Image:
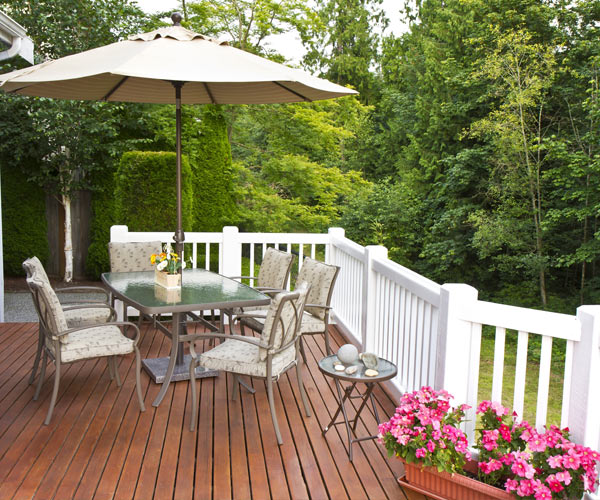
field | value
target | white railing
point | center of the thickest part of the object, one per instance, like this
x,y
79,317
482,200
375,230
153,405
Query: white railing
x,y
433,333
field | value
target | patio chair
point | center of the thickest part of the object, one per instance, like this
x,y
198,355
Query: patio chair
x,y
67,345
131,256
272,276
315,321
267,357
77,313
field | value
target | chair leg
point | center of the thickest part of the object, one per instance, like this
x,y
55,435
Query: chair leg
x,y
38,354
302,350
242,330
194,396
54,392
327,345
272,406
116,370
301,386
236,386
42,377
111,371
138,382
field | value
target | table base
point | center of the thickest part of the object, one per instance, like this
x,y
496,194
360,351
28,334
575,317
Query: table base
x,y
157,369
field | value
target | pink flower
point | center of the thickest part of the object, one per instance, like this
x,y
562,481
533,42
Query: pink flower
x,y
421,452
564,477
554,461
554,484
571,460
525,488
511,484
542,493
523,469
536,442
484,406
430,446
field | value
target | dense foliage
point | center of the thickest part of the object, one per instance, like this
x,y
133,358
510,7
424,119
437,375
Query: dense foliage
x,y
145,191
471,153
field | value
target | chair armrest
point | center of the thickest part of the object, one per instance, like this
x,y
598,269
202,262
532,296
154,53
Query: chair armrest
x,y
100,325
319,306
93,305
89,289
255,314
198,336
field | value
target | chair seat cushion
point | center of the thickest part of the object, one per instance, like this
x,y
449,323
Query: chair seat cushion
x,y
95,342
241,357
310,324
85,316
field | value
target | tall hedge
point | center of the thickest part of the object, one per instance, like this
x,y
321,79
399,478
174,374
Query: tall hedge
x,y
103,217
24,226
145,192
214,204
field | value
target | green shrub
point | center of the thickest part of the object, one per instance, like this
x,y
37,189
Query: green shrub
x,y
145,192
24,226
103,217
214,204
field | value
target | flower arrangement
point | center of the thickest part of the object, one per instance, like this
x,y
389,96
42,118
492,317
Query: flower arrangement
x,y
426,429
529,464
533,465
167,261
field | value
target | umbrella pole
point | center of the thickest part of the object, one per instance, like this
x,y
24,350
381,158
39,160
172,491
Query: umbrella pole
x,y
179,236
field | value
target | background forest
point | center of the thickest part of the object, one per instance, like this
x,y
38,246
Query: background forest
x,y
472,151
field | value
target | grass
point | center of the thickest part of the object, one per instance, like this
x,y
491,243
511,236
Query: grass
x,y
486,366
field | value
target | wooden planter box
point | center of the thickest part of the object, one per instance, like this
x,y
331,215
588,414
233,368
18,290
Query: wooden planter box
x,y
444,486
167,280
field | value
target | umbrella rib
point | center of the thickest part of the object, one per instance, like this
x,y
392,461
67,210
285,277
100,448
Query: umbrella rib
x,y
212,99
293,92
115,88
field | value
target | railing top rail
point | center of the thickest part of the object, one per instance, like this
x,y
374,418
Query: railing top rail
x,y
419,285
550,324
348,246
294,238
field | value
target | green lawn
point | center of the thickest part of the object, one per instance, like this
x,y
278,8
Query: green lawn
x,y
556,376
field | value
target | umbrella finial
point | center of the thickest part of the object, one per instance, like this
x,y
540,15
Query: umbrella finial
x,y
176,17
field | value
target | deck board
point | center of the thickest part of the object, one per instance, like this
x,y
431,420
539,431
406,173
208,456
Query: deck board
x,y
98,444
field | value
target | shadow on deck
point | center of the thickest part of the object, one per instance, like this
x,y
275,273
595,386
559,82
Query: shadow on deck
x,y
98,444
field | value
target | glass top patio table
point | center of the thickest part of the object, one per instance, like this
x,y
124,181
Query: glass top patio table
x,y
200,290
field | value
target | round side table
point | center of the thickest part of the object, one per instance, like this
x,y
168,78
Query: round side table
x,y
386,369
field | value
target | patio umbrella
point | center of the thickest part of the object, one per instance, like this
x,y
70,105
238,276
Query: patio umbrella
x,y
170,65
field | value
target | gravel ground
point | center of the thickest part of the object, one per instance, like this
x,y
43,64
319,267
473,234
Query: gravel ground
x,y
18,305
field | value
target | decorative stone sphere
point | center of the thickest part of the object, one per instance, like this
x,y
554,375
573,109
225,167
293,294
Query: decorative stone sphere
x,y
347,354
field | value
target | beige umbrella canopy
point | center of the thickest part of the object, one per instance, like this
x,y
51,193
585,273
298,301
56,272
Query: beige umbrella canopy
x,y
170,66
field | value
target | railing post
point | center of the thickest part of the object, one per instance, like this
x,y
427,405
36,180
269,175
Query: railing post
x,y
458,349
230,258
119,234
370,298
337,232
584,407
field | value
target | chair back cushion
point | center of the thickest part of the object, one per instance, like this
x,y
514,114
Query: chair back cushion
x,y
48,306
132,256
321,278
283,318
274,269
32,265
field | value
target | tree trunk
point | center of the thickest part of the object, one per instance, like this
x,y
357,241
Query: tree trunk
x,y
66,202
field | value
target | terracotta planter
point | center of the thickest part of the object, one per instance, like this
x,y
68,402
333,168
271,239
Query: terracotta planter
x,y
444,486
167,280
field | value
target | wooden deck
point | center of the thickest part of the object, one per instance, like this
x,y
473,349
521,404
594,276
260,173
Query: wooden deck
x,y
99,445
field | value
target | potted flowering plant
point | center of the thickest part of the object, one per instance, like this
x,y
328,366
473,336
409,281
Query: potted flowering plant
x,y
425,433
532,465
167,265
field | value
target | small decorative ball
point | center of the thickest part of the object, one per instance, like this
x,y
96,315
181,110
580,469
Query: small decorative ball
x,y
347,354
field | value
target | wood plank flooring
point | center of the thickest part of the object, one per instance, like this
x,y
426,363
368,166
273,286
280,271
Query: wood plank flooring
x,y
99,446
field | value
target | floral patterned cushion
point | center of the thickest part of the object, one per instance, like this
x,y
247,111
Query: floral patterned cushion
x,y
321,278
310,324
132,256
274,269
281,332
84,316
95,342
49,306
241,357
